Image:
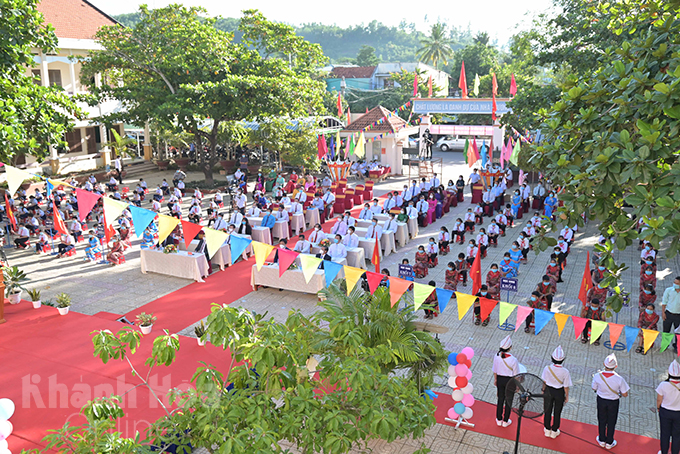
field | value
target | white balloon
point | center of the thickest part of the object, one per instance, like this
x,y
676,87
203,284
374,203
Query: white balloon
x,y
5,451
452,371
467,414
468,389
5,429
457,395
452,382
7,408
3,445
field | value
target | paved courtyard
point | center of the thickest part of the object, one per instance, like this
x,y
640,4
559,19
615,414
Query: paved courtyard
x,y
121,289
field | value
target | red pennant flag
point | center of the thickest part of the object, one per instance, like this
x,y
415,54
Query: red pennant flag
x,y
415,86
475,149
86,201
586,281
376,255
349,116
397,288
321,145
429,87
513,85
286,258
579,324
494,85
486,306
58,221
476,274
10,213
462,82
109,231
189,231
366,109
373,280
614,332
339,106
677,340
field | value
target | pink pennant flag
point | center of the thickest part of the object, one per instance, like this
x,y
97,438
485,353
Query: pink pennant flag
x,y
522,314
286,258
86,201
475,149
579,325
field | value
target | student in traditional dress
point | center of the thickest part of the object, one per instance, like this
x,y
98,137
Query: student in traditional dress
x,y
451,277
493,282
462,267
648,319
430,305
420,268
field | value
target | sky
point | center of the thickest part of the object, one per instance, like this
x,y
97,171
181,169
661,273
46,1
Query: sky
x,y
500,18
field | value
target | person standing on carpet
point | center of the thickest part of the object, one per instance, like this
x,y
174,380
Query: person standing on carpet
x,y
505,366
668,404
556,393
610,387
202,248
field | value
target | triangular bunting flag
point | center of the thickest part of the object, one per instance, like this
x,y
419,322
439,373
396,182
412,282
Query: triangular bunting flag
x,y
397,289
648,337
331,270
420,293
561,320
465,302
541,318
286,258
677,341
486,307
352,276
522,314
514,157
309,265
597,327
166,224
614,333
86,201
631,335
214,239
15,177
476,273
360,150
373,280
49,187
504,311
579,324
262,251
58,221
113,209
666,339
109,231
189,231
238,244
141,219
443,297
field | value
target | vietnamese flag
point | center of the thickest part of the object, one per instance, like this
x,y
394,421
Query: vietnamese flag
x,y
375,259
586,282
109,231
462,82
513,85
58,221
10,213
494,85
339,106
476,274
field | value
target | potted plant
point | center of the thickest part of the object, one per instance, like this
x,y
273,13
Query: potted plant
x,y
63,303
34,294
145,322
200,331
13,277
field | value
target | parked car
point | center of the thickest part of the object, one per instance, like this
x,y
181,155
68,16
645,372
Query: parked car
x,y
447,143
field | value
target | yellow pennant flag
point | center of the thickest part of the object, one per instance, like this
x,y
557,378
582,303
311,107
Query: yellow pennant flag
x,y
112,209
597,327
360,149
261,251
464,302
338,142
420,294
309,265
649,337
15,177
561,320
214,239
352,276
57,183
505,309
166,224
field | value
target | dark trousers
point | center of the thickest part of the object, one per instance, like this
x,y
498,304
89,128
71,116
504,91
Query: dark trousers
x,y
553,401
63,248
529,319
585,336
464,274
607,414
504,405
21,242
670,429
672,321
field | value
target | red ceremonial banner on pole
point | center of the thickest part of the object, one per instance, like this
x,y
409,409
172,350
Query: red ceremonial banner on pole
x,y
586,281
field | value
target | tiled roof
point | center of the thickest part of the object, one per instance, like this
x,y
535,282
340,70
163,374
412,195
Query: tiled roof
x,y
76,19
352,72
390,124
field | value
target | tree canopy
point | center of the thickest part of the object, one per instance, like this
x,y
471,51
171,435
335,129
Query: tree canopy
x,y
436,48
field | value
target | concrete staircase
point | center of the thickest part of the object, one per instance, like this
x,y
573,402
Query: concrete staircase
x,y
139,169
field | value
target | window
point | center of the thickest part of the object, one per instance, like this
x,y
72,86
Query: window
x,y
55,77
36,76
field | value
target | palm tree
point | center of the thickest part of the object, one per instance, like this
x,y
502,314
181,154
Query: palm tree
x,y
481,38
120,144
436,47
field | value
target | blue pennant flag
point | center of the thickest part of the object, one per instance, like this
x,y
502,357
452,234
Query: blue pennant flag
x,y
141,219
484,151
542,318
237,245
331,270
443,297
631,335
50,188
331,148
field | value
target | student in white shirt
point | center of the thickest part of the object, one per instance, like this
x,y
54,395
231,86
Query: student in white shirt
x,y
389,203
374,231
236,218
317,235
302,246
281,214
349,220
301,196
340,227
295,208
220,223
351,240
668,404
568,234
376,209
337,251
505,366
411,211
398,199
609,387
557,383
366,214
240,200
254,211
390,225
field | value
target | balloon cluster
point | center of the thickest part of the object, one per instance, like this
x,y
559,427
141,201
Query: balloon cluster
x,y
459,380
6,412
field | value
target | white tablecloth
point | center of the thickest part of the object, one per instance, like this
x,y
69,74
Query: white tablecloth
x,y
312,217
183,264
262,234
387,243
297,223
413,227
280,230
356,257
222,257
268,276
404,230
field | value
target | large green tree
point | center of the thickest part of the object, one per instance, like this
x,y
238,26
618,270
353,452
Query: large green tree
x,y
436,48
367,57
176,68
32,116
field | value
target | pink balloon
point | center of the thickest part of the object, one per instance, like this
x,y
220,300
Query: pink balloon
x,y
5,429
461,370
468,400
469,375
469,352
452,414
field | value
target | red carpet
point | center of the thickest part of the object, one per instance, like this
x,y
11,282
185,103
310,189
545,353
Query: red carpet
x,y
576,437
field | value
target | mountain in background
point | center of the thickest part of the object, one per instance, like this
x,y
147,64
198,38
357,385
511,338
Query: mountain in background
x,y
341,45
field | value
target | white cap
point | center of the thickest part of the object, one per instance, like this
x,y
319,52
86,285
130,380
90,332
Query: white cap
x,y
506,342
674,369
558,354
610,361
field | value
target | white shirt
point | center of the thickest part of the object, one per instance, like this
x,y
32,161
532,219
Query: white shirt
x,y
431,248
254,211
458,227
316,236
328,198
351,240
301,196
389,204
282,215
615,382
526,192
236,219
469,217
434,182
562,374
220,223
671,395
412,212
295,208
240,200
472,251
444,236
340,227
539,191
390,225
366,214
567,233
337,251
118,165
303,247
180,184
475,178
374,231
23,232
195,210
505,367
375,209
483,239
156,206
422,206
